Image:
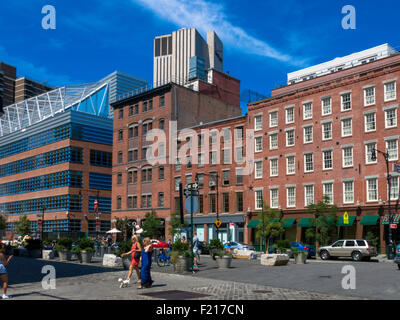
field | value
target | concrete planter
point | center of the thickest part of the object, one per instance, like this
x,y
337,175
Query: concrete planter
x,y
224,262
47,254
86,256
300,258
111,260
65,255
37,253
274,259
126,262
182,265
102,251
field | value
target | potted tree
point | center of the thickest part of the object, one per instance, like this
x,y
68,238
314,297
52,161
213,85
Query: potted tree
x,y
223,258
215,246
299,256
63,247
86,247
283,246
180,256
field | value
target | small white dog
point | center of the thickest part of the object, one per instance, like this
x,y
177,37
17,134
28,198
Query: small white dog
x,y
124,283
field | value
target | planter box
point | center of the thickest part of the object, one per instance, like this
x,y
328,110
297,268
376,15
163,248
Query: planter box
x,y
224,262
111,260
244,254
182,265
86,256
274,259
65,255
37,253
300,258
47,254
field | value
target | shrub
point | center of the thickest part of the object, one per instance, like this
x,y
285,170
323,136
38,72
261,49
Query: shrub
x,y
222,253
47,243
84,244
66,243
175,254
180,246
76,250
215,244
124,246
284,244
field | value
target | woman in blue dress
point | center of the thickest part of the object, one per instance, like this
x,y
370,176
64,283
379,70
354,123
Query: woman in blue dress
x,y
145,275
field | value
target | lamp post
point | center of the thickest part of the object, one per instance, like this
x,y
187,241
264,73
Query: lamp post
x,y
389,178
263,224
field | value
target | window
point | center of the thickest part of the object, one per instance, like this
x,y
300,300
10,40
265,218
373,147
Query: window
x,y
119,201
392,149
162,101
178,164
346,101
347,157
129,203
134,202
227,156
369,96
327,159
131,111
121,114
273,141
147,175
213,157
307,110
200,180
145,106
290,165
161,200
201,204
200,158
162,124
147,127
120,135
130,155
309,194
327,131
188,179
368,150
390,91
273,119
257,122
308,162
273,167
348,192
326,106
239,176
225,177
189,162
258,143
370,124
239,201
258,199
290,138
130,176
177,182
289,115
394,188
274,198
328,192
136,109
291,197
239,133
120,157
239,154
226,134
212,203
213,137
119,178
225,202
372,189
200,139
347,129
308,134
258,169
161,173
391,118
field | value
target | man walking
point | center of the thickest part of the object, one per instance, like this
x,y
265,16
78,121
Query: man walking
x,y
196,250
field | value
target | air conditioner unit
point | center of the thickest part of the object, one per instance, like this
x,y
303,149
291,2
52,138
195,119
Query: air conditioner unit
x,y
212,184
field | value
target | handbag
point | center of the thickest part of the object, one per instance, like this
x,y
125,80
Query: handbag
x,y
137,255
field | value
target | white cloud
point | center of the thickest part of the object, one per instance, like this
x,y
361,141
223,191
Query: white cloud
x,y
205,16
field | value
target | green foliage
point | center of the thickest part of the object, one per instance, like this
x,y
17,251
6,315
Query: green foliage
x,y
175,254
33,244
65,243
123,247
47,243
215,244
23,226
222,253
370,236
296,252
180,246
88,250
151,225
271,230
176,227
282,245
324,223
85,244
3,222
125,226
76,250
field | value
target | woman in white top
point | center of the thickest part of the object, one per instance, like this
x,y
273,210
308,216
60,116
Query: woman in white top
x,y
3,270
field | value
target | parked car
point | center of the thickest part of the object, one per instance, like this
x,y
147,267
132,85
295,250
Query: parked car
x,y
397,258
235,245
159,244
357,249
309,249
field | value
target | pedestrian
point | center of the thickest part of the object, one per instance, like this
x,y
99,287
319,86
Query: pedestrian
x,y
3,270
169,244
196,250
184,239
147,250
109,240
136,251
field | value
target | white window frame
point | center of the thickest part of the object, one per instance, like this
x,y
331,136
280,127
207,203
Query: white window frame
x,y
323,160
256,176
271,136
271,124
275,160
287,165
343,157
256,139
394,195
294,138
305,194
366,122
368,189
366,153
305,162
397,149
344,191
258,124
307,115
286,115
369,100
323,106
271,199
305,135
395,118
288,203
351,127
324,191
256,202
323,130
394,97
342,102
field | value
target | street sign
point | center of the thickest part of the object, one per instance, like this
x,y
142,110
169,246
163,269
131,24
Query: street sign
x,y
187,192
188,205
393,226
346,218
97,225
218,223
193,186
231,225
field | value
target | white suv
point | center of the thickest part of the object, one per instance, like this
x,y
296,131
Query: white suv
x,y
357,249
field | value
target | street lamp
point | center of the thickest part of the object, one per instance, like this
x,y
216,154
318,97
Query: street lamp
x,y
389,178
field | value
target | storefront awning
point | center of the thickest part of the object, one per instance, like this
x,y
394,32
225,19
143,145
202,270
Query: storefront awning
x,y
305,222
340,222
253,224
369,220
395,217
288,222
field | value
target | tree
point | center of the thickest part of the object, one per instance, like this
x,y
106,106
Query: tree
x,y
272,229
175,226
23,226
323,223
151,225
125,226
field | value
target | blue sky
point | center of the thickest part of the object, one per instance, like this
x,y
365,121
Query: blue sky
x,y
263,40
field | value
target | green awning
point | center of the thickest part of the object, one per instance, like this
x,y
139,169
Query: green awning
x,y
288,222
253,224
340,222
305,222
395,217
369,220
